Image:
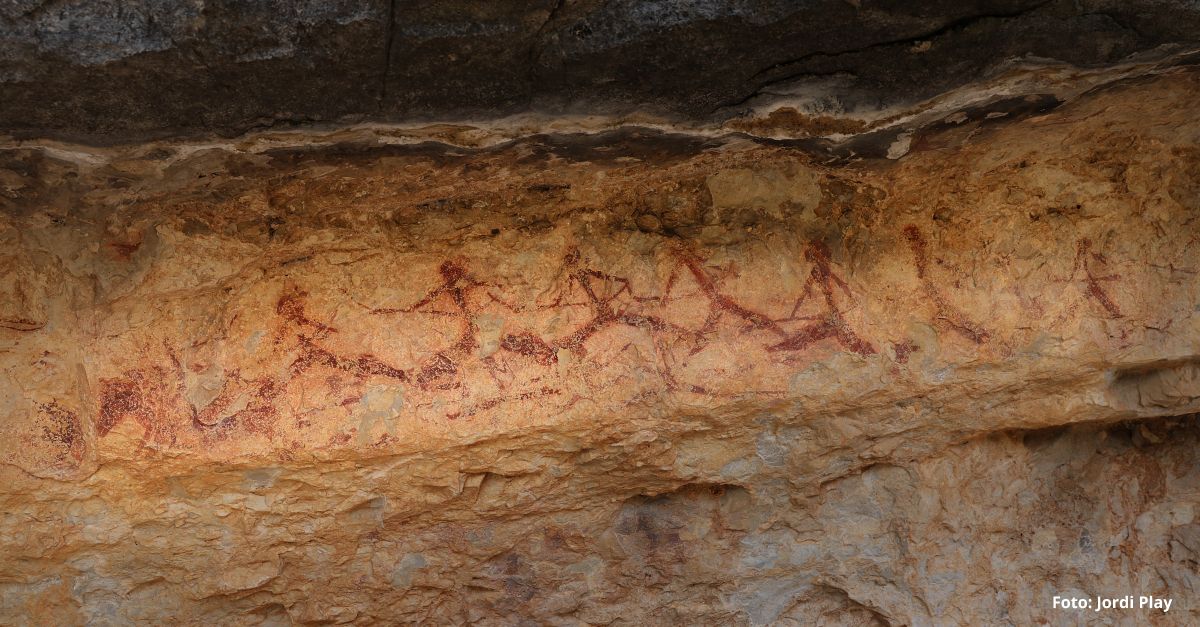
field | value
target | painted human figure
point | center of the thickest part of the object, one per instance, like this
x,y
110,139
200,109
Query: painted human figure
x,y
457,286
1084,257
946,315
832,323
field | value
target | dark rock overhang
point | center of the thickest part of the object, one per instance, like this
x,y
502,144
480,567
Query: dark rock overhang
x,y
112,70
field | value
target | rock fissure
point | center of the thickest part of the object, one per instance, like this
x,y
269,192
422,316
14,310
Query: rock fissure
x,y
949,27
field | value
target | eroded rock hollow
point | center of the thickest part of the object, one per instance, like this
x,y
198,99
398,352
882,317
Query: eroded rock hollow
x,y
936,361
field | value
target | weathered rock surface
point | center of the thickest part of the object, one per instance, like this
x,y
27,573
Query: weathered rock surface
x,y
440,375
114,69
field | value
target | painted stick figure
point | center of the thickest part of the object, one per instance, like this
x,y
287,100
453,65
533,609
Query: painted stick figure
x,y
1083,260
606,309
721,304
833,323
945,314
457,285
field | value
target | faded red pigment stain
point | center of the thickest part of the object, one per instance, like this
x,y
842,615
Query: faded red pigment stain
x,y
119,399
492,403
833,323
360,367
21,324
139,395
339,439
946,315
63,430
290,307
257,414
1084,257
903,350
124,251
529,345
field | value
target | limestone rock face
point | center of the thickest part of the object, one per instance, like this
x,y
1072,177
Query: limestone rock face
x,y
450,375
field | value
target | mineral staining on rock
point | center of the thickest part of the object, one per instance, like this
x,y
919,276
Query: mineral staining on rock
x,y
590,379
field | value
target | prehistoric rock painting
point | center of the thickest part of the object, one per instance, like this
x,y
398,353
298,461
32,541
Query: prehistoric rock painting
x,y
903,350
251,404
610,301
457,289
144,395
719,304
443,374
1084,258
291,308
63,430
153,396
945,315
606,309
831,324
248,404
21,324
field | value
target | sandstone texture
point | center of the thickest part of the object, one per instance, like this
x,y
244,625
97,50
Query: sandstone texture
x,y
114,69
926,374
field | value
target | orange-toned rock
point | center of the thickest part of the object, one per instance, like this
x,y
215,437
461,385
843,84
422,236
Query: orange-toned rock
x,y
582,379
